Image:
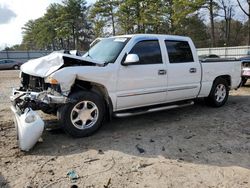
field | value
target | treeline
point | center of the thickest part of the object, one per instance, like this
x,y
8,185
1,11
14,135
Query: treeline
x,y
73,24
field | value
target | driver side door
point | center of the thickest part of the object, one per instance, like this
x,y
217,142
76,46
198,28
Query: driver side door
x,y
143,83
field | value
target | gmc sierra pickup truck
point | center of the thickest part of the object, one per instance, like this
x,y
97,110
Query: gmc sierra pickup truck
x,y
121,76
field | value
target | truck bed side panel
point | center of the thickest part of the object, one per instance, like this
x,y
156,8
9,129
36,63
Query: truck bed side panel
x,y
212,70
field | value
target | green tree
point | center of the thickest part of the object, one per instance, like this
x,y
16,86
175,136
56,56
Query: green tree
x,y
143,16
194,27
73,22
104,12
28,35
247,13
178,10
212,7
62,27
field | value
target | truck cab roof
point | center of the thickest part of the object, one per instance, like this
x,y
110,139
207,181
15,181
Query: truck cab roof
x,y
162,36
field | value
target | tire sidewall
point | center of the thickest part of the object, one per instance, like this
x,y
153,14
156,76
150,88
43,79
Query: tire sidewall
x,y
65,114
244,81
212,98
16,67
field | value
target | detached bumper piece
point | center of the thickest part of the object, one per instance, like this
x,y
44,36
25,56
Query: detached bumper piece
x,y
29,127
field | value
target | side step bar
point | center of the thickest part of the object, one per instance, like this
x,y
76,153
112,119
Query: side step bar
x,y
149,110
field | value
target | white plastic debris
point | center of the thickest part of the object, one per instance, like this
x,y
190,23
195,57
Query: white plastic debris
x,y
29,128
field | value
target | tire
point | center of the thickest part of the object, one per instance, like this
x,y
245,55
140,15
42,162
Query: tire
x,y
84,116
219,93
16,67
243,81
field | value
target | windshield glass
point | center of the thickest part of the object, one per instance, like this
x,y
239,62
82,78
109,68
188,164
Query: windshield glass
x,y
107,50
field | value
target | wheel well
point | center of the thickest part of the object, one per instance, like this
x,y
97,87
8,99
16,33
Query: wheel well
x,y
98,89
225,77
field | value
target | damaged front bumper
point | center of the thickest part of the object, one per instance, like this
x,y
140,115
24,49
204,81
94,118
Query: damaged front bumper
x,y
37,97
29,125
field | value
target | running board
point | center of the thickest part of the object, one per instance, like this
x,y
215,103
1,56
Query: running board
x,y
149,110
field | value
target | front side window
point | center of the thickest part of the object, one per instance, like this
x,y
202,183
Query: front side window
x,y
149,52
179,51
9,61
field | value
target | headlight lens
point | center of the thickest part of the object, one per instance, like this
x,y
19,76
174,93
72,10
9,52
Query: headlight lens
x,y
51,80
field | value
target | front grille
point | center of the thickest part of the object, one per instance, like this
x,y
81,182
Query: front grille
x,y
33,83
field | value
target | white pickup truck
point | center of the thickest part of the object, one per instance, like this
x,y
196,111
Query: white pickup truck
x,y
121,76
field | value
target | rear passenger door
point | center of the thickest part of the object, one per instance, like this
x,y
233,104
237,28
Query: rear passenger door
x,y
184,72
143,83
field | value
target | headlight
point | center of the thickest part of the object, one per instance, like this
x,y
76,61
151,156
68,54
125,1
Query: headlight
x,y
51,80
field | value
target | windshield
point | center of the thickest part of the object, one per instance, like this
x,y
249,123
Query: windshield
x,y
107,50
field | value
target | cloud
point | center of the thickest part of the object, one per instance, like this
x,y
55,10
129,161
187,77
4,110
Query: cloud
x,y
6,15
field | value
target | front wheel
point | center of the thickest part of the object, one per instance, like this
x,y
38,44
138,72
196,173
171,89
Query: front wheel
x,y
84,116
219,93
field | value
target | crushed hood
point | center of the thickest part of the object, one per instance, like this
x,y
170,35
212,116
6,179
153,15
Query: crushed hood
x,y
44,66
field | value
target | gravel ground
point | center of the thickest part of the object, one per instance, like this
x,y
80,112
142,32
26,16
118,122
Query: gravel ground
x,y
197,146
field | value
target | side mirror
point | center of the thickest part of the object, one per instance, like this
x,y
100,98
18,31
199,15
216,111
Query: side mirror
x,y
131,59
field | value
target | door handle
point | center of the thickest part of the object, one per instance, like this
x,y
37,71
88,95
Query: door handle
x,y
192,70
162,72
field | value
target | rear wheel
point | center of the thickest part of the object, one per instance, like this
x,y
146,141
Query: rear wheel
x,y
84,116
243,81
219,93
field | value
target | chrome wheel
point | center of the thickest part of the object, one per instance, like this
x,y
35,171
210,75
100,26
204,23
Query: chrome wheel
x,y
220,93
84,115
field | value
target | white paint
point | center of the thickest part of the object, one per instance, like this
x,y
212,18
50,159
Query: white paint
x,y
28,131
44,66
140,85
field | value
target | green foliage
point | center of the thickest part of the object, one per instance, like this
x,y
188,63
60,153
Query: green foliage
x,y
62,27
199,35
103,14
73,25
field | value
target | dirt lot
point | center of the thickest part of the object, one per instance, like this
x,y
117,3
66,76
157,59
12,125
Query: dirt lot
x,y
195,146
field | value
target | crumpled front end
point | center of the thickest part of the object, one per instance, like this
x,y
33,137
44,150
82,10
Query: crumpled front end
x,y
43,89
34,94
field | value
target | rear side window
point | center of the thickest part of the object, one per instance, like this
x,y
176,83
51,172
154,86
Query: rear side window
x,y
179,51
148,51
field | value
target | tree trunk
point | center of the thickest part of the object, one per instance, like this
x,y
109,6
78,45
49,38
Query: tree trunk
x,y
113,23
74,37
249,24
248,15
211,11
61,41
112,19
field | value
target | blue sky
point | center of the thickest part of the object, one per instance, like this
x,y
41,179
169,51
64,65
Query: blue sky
x,y
15,13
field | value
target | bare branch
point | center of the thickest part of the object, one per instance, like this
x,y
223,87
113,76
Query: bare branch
x,y
248,14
